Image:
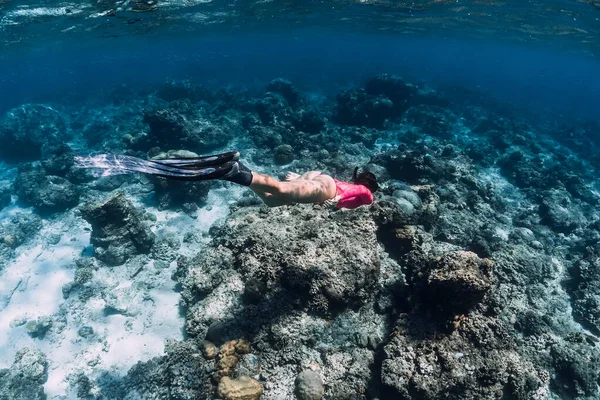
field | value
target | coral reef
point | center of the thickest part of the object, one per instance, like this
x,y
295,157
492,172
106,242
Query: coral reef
x,y
182,126
27,131
14,232
24,379
5,194
309,386
45,193
474,274
179,374
118,229
586,291
188,196
321,265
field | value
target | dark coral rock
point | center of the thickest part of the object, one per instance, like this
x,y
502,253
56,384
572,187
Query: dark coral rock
x,y
176,194
27,129
521,266
434,121
85,332
356,107
309,121
81,385
38,328
19,228
479,361
118,230
254,290
45,193
284,154
60,161
459,280
524,171
179,374
285,89
577,370
5,194
387,211
417,167
182,126
25,379
358,134
481,153
556,210
272,107
394,88
323,267
324,264
194,284
165,249
531,324
265,137
585,292
373,106
84,271
97,132
579,189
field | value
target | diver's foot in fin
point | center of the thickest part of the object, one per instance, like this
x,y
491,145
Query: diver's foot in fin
x,y
199,162
201,173
239,174
291,176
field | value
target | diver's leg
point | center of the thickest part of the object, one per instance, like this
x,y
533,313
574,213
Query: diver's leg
x,y
298,191
266,187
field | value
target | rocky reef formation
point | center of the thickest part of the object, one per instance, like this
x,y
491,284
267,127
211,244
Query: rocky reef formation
x,y
45,193
181,374
182,125
170,194
320,269
5,194
29,130
24,379
473,275
14,232
118,229
585,290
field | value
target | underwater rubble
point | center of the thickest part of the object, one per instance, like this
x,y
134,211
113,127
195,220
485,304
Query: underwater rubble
x,y
475,274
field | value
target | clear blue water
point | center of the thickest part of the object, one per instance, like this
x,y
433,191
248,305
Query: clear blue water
x,y
538,54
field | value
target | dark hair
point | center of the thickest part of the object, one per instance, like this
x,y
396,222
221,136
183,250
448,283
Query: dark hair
x,y
367,179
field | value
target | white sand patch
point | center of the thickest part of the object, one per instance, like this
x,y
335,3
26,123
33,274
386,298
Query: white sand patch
x,y
38,274
148,304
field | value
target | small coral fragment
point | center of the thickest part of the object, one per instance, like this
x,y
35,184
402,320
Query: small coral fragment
x,y
242,388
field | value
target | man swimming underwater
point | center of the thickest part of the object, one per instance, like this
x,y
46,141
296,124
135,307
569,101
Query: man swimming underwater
x,y
311,187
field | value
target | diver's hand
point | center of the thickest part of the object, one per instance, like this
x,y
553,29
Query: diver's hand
x,y
332,202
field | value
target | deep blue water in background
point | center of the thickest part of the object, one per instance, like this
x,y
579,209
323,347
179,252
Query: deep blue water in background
x,y
530,76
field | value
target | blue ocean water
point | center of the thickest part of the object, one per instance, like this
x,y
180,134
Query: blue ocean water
x,y
531,75
475,273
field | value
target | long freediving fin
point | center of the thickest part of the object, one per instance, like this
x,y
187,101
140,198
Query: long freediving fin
x,y
199,162
114,164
